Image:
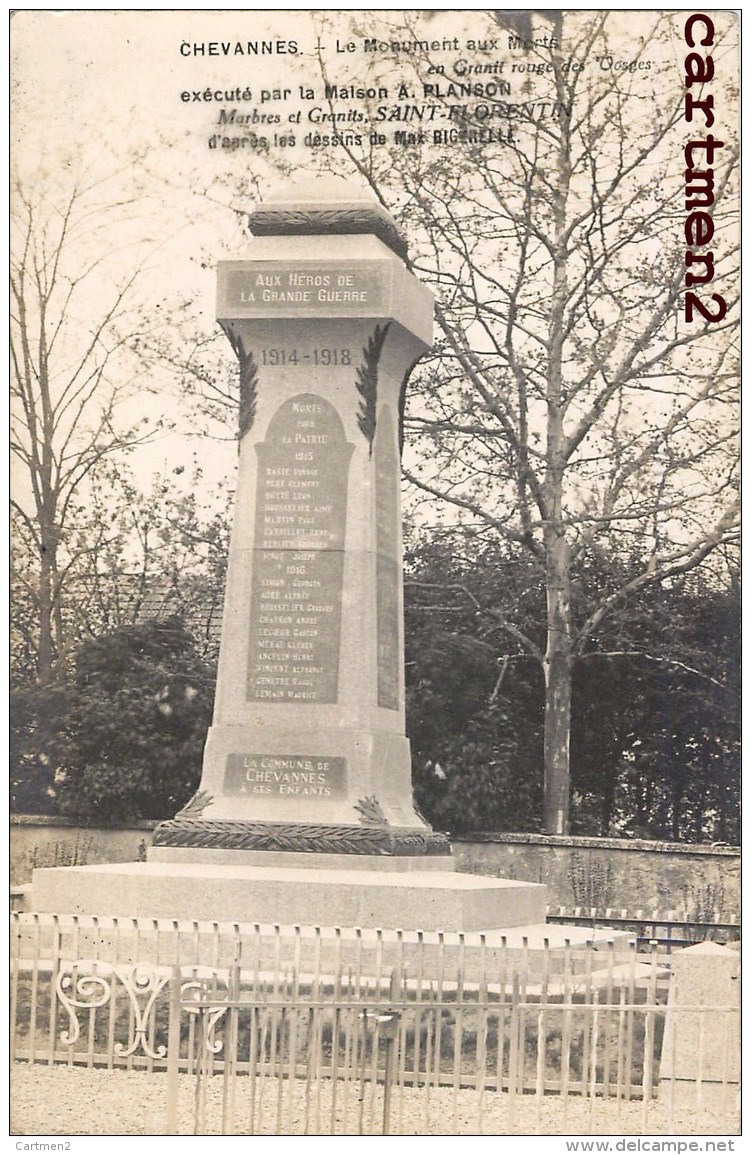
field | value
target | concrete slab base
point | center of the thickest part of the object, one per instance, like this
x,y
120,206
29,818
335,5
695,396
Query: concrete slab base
x,y
404,863
429,900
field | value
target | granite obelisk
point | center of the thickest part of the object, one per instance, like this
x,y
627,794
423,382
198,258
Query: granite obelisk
x,y
307,751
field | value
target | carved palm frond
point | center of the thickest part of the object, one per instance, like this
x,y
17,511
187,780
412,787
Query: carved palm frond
x,y
369,809
196,805
248,383
367,383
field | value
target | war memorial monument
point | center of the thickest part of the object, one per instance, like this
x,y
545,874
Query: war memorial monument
x,y
304,813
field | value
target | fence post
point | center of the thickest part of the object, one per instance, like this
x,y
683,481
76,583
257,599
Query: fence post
x,y
701,1045
230,1050
514,1062
173,1050
15,953
391,1034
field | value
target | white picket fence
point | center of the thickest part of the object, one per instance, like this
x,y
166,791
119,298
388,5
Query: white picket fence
x,y
312,1030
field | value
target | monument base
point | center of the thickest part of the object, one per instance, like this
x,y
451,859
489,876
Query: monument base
x,y
429,900
348,841
304,861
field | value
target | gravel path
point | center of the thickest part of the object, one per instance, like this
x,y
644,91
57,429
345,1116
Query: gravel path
x,y
77,1101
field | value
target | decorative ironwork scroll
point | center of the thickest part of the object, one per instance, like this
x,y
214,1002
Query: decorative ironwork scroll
x,y
192,994
89,984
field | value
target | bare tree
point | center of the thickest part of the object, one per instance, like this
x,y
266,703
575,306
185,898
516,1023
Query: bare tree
x,y
75,331
571,406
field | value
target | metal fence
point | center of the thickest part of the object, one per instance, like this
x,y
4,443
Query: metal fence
x,y
670,928
271,1030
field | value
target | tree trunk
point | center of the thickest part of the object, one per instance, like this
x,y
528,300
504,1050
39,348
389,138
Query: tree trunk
x,y
558,653
46,647
558,667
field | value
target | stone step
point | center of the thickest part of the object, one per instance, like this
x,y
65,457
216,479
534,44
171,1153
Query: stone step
x,y
430,900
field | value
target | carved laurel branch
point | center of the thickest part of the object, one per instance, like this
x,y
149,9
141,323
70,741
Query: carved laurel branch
x,y
304,222
369,809
367,383
248,383
196,805
307,837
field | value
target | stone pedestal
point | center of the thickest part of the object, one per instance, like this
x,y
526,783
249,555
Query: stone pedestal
x,y
307,751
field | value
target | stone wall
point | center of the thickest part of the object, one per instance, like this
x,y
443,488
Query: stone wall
x,y
612,872
601,872
39,841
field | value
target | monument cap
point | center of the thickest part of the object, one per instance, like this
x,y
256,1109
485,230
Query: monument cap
x,y
326,205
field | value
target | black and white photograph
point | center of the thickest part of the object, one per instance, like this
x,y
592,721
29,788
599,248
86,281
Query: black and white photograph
x,y
375,576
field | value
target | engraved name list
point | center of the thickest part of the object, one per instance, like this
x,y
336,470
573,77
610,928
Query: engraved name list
x,y
296,592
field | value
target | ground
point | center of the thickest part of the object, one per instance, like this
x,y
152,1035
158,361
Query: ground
x,y
63,1100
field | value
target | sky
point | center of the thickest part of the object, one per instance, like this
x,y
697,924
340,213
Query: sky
x,y
91,88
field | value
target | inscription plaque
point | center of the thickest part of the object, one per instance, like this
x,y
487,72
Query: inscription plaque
x,y
285,775
387,565
272,288
298,558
